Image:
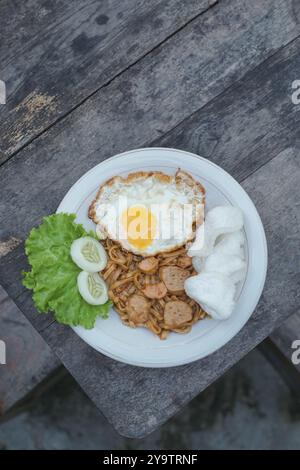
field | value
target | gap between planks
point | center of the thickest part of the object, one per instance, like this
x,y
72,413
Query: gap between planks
x,y
237,81
111,80
108,82
152,142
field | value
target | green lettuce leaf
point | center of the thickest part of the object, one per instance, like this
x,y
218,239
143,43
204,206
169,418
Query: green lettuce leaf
x,y
53,275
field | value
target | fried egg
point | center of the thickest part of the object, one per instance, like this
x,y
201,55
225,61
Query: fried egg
x,y
149,212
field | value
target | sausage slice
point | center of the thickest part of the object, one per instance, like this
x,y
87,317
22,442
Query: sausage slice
x,y
174,277
155,291
184,261
149,265
177,313
138,309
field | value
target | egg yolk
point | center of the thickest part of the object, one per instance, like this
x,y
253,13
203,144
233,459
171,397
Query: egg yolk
x,y
140,226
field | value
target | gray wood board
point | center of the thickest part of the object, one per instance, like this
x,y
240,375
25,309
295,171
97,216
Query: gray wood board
x,y
137,400
54,54
249,123
171,82
249,120
269,188
29,359
146,101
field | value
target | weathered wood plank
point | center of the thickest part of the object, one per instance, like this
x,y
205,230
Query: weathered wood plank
x,y
209,55
175,74
281,298
249,119
29,359
54,54
159,393
248,124
21,195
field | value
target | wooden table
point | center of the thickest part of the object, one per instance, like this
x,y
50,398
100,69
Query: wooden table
x,y
86,80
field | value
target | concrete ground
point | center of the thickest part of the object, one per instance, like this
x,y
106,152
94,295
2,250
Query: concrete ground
x,y
249,408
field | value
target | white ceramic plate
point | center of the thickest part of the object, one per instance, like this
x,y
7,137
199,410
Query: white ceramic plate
x,y
139,346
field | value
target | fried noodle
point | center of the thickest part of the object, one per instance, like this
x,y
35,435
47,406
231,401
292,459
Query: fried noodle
x,y
124,278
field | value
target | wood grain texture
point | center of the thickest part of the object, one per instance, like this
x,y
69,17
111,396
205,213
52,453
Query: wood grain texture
x,y
185,73
249,121
29,358
54,54
138,400
144,103
172,388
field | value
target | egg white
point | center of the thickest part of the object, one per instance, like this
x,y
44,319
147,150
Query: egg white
x,y
175,206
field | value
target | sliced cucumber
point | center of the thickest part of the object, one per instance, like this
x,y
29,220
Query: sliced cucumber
x,y
92,288
88,254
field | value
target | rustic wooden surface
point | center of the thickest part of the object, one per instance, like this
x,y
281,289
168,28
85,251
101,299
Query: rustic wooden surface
x,y
221,87
144,103
29,359
54,54
138,399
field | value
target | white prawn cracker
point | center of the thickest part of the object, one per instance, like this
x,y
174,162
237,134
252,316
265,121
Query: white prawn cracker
x,y
231,244
218,257
219,220
224,263
215,293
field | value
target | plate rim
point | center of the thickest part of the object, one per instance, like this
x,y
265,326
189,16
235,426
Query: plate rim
x,y
262,239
